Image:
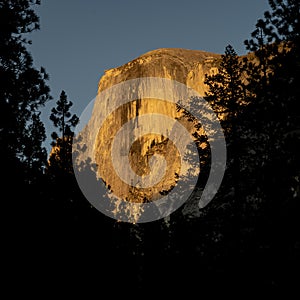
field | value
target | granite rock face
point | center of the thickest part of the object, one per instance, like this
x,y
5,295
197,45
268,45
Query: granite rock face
x,y
186,66
111,112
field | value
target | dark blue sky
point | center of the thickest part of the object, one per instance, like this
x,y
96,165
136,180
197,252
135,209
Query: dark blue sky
x,y
79,39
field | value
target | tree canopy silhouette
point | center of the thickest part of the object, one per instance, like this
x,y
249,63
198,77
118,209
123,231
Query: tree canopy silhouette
x,y
61,154
23,89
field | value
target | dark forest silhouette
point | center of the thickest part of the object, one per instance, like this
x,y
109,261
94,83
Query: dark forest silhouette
x,y
247,237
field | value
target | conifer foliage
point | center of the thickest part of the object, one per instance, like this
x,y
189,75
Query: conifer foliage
x,y
64,121
23,90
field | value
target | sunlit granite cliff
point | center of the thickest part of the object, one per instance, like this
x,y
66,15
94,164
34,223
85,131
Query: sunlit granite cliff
x,y
185,66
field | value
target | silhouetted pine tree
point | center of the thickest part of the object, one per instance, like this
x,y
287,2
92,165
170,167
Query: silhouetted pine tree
x,y
23,91
273,111
35,153
65,192
61,154
226,95
271,123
